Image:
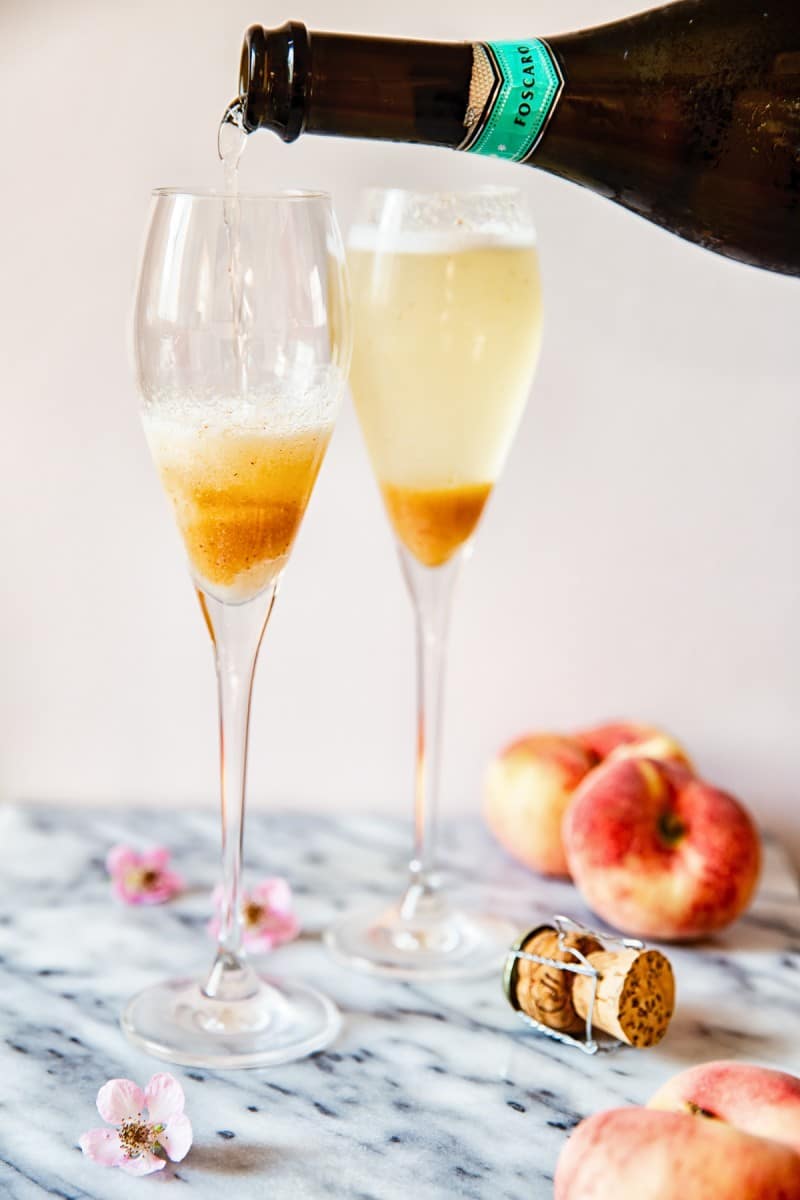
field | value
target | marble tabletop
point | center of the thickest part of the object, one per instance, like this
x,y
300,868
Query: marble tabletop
x,y
434,1091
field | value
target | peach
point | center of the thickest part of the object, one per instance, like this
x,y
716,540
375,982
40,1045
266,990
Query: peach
x,y
725,1130
658,853
626,739
762,1101
636,1154
528,788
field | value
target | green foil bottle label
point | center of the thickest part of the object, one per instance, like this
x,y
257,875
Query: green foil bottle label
x,y
515,89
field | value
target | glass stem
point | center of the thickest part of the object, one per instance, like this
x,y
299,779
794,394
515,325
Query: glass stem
x,y
236,631
431,590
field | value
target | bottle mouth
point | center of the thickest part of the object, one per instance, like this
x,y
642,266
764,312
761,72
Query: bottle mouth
x,y
273,76
254,51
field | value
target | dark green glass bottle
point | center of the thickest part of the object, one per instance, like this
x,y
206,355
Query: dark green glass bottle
x,y
688,114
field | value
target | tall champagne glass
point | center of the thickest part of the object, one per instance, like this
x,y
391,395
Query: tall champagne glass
x,y
447,327
241,349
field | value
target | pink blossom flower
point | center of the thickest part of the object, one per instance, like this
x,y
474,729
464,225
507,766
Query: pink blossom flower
x,y
267,917
142,878
138,1142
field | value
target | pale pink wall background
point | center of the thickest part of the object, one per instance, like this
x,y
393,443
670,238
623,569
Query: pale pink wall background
x,y
639,558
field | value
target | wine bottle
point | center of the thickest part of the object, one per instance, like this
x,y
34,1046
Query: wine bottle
x,y
688,115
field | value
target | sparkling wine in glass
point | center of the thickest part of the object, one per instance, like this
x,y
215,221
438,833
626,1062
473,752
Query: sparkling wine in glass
x,y
241,349
447,316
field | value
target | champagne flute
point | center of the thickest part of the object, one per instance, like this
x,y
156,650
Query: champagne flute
x,y
241,349
447,319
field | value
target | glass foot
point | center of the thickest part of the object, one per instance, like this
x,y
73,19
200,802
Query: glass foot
x,y
281,1022
432,943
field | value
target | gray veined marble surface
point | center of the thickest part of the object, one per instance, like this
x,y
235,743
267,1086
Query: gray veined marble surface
x,y
432,1092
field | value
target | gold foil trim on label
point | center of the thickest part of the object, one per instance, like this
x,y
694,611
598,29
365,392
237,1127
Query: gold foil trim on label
x,y
483,88
480,87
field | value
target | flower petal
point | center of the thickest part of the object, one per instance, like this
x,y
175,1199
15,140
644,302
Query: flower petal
x,y
169,885
217,896
124,893
119,1099
120,859
148,896
274,894
258,941
164,1098
102,1146
273,931
176,1137
142,1164
155,859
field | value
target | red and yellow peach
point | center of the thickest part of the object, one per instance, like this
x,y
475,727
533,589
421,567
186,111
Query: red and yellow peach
x,y
658,853
531,783
725,1130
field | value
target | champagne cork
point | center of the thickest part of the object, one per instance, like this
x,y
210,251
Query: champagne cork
x,y
635,988
635,995
545,993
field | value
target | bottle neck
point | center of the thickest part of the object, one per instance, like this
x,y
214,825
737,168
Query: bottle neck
x,y
411,91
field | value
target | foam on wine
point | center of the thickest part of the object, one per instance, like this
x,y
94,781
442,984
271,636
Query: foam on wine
x,y
372,239
239,477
